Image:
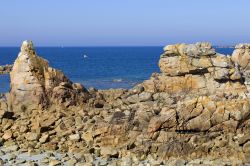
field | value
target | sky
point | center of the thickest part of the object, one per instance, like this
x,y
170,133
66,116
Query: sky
x,y
124,22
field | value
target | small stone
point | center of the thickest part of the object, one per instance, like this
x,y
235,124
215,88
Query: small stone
x,y
102,163
71,162
19,161
137,89
80,164
145,96
1,153
180,162
44,138
246,147
31,151
45,161
79,156
244,139
7,135
87,137
12,157
195,162
30,163
11,148
74,137
89,158
48,122
126,161
54,162
32,136
221,74
133,98
107,151
1,162
23,129
88,164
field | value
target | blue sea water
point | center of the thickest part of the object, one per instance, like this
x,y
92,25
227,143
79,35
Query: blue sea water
x,y
99,67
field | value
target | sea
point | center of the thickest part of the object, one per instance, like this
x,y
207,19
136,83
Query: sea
x,y
98,67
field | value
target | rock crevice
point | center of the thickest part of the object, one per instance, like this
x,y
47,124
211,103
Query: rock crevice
x,y
197,108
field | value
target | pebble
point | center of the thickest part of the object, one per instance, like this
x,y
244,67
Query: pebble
x,y
54,162
74,137
11,148
12,157
71,162
44,138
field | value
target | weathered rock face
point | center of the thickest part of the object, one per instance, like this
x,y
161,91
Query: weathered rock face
x,y
33,81
196,69
241,56
210,88
184,59
197,107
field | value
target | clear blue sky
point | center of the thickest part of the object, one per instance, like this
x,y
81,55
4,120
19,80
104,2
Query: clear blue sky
x,y
123,22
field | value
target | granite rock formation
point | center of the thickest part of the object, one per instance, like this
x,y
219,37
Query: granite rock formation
x,y
196,69
241,56
36,85
196,111
208,87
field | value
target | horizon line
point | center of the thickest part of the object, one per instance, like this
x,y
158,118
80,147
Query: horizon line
x,y
68,46
93,46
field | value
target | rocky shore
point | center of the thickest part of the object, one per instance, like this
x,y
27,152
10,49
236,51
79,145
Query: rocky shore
x,y
5,69
195,112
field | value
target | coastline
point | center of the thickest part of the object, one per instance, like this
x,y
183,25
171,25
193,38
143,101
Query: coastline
x,y
195,111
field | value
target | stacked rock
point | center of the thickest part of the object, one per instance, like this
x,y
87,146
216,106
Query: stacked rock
x,y
196,69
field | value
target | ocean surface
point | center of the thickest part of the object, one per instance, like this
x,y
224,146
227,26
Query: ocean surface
x,y
99,67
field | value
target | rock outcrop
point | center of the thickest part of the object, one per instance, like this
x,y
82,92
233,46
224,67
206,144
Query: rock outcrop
x,y
5,69
35,85
196,111
196,69
210,89
241,57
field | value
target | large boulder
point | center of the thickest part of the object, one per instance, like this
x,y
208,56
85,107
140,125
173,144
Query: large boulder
x,y
33,81
182,59
241,57
197,69
210,90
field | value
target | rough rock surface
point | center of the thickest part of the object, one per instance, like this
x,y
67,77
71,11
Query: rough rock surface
x,y
197,69
35,85
195,112
5,69
241,56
